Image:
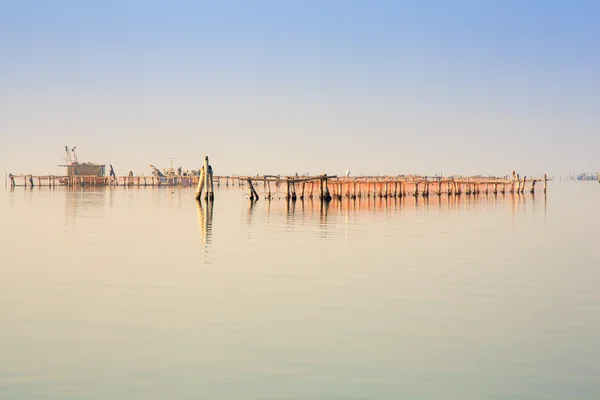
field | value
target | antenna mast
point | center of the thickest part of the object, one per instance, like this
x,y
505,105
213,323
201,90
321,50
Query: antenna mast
x,y
68,158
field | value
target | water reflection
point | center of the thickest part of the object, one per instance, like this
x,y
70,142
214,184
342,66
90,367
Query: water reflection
x,y
205,222
342,209
83,203
251,204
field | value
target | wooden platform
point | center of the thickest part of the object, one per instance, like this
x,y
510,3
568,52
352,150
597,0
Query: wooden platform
x,y
54,180
329,187
320,186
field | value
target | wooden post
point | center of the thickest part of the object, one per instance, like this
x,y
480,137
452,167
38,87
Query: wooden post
x,y
416,193
212,188
206,178
200,184
251,192
545,182
288,191
326,194
321,192
523,186
532,191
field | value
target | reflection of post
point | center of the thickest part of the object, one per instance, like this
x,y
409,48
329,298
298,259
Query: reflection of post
x,y
545,201
205,220
323,214
268,210
290,209
250,211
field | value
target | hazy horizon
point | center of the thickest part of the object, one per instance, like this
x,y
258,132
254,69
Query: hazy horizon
x,y
268,87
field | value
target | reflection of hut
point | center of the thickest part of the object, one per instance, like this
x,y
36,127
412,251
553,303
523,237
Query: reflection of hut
x,y
85,169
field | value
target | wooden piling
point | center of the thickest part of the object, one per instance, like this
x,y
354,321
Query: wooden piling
x,y
201,182
326,194
208,180
251,192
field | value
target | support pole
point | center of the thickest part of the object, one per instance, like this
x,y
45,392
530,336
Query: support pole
x,y
251,192
200,184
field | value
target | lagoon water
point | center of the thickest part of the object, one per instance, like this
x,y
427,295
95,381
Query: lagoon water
x,y
139,293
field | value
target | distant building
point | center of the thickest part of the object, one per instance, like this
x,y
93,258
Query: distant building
x,y
588,176
85,169
75,168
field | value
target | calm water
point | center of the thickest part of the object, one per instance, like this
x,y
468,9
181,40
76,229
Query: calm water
x,y
140,294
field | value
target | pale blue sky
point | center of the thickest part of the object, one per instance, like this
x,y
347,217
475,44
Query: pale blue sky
x,y
457,87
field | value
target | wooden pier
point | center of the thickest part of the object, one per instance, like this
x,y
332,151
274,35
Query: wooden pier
x,y
324,187
85,181
332,187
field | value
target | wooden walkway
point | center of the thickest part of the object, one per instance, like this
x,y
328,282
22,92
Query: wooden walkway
x,y
330,187
76,181
321,186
